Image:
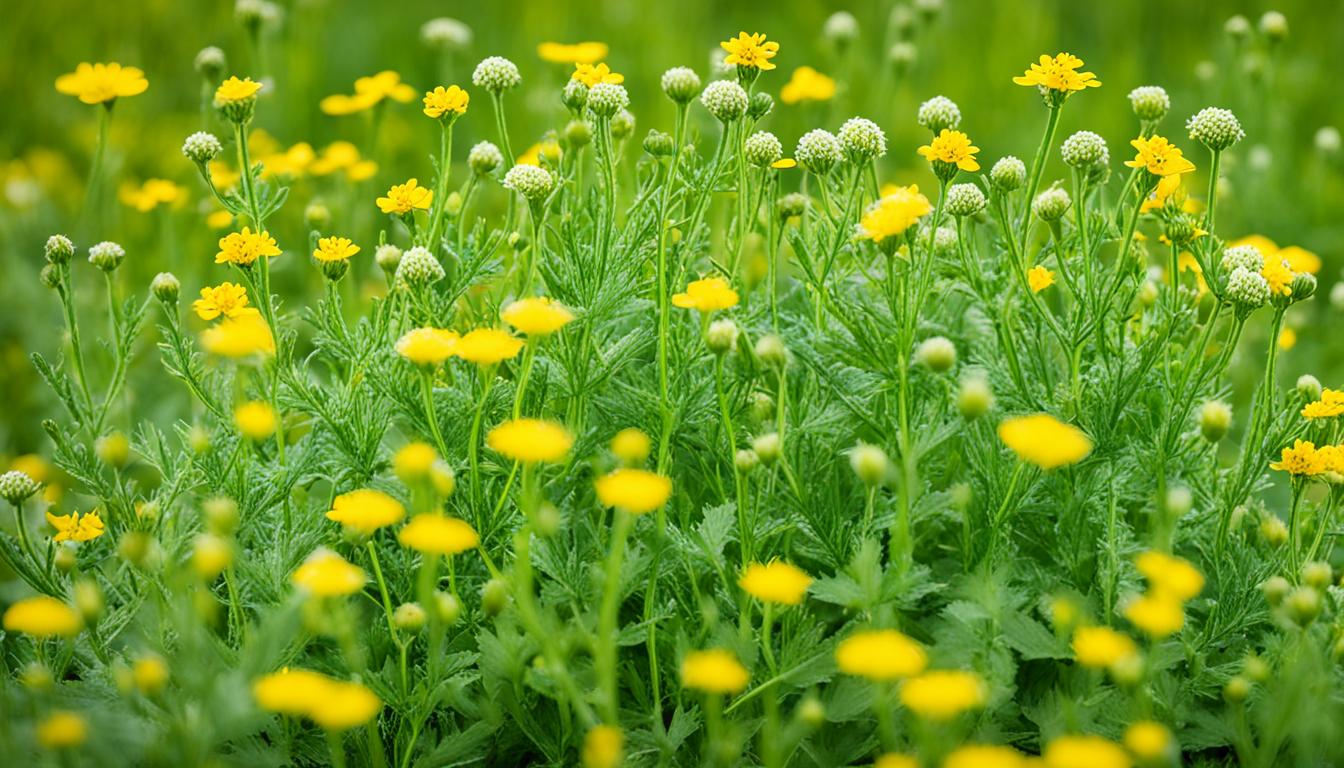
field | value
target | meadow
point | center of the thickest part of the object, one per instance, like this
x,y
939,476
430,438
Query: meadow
x,y
923,384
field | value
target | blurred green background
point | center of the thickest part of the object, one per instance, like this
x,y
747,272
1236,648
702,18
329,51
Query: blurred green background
x,y
1283,181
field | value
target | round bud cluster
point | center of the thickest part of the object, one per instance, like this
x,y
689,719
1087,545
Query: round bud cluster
x,y
201,147
761,105
532,182
1008,174
745,460
1309,386
1247,289
870,463
938,113
1215,417
622,125
387,257
1274,26
211,63
445,34
762,148
936,353
725,99
840,28
1215,128
1247,256
16,487
767,447
606,99
1303,286
419,267
578,132
862,139
965,200
1051,204
794,203
974,397
165,286
409,617
902,54
818,151
59,249
721,336
50,276
681,84
771,351
1084,149
944,238
106,255
1237,27
1150,102
317,216
496,74
484,158
660,144
574,95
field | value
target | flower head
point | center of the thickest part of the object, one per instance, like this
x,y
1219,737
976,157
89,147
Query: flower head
x,y
750,51
1320,409
1102,647
706,295
531,181
62,729
488,346
1149,740
327,574
531,440
1215,128
880,655
102,83
1170,575
725,100
427,346
404,198
592,74
1057,77
714,671
233,91
943,694
1045,441
242,335
1302,460
1161,159
603,747
76,527
588,52
631,445
951,148
42,616
243,248
807,84
862,139
1040,278
984,756
681,84
938,114
438,535
256,420
446,102
366,510
335,249
893,214
637,491
818,151
496,74
417,267
1158,615
1084,752
537,316
775,582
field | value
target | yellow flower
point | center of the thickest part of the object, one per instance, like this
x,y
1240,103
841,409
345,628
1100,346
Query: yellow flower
x,y
750,51
548,148
1301,459
953,148
1040,278
234,90
76,527
42,616
713,671
636,491
1102,647
1332,396
243,248
438,535
413,461
631,446
943,694
1059,73
150,674
327,574
784,163
895,760
807,84
572,53
255,420
984,756
224,299
340,104
427,346
1148,740
603,746
536,316
1163,159
1332,458
1084,752
1044,440
1170,575
344,706
775,582
211,555
62,730
1300,259
487,346
1278,275
404,198
706,295
893,213
1322,410
880,655
102,83
241,336
335,249
1158,615
449,101
151,194
531,440
366,510
291,691
592,74
369,91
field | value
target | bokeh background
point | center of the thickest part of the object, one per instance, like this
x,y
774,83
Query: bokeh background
x,y
1283,181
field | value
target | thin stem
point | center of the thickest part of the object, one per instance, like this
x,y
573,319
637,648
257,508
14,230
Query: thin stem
x,y
606,627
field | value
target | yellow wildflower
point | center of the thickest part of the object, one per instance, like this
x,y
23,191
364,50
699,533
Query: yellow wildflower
x,y
225,299
1045,441
150,674
895,760
404,198
592,74
369,91
784,163
76,527
1301,459
531,440
291,691
42,616
706,295
807,84
243,248
234,90
335,249
1162,159
102,83
631,445
714,671
327,574
1170,575
243,335
750,51
880,655
438,535
776,582
427,346
636,491
1148,740
536,316
1278,275
413,461
1102,647
450,101
487,346
572,53
953,148
1300,259
1158,615
1040,278
1059,73
943,694
256,420
211,555
1084,752
897,210
151,194
62,730
366,510
603,746
1320,409
344,706
984,756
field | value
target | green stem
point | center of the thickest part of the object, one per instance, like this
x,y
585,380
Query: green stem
x,y
1038,167
606,628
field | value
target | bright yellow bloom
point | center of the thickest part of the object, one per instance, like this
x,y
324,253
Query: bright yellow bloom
x,y
102,83
1169,575
1322,410
438,535
76,527
366,510
1059,73
42,616
224,299
234,90
341,104
880,655
1102,647
706,295
151,194
784,163
636,491
750,51
531,440
603,747
893,213
343,156
369,91
1158,615
327,574
256,420
1045,441
573,53
244,335
895,760
1084,752
1300,259
150,674
1332,458
952,147
291,691
345,706
404,198
446,101
1148,740
211,555
1040,278
1302,459
943,694
714,671
1332,396
62,730
1278,275
548,148
776,582
335,249
631,445
1163,159
536,316
592,74
807,84
487,346
984,756
413,461
427,346
243,248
